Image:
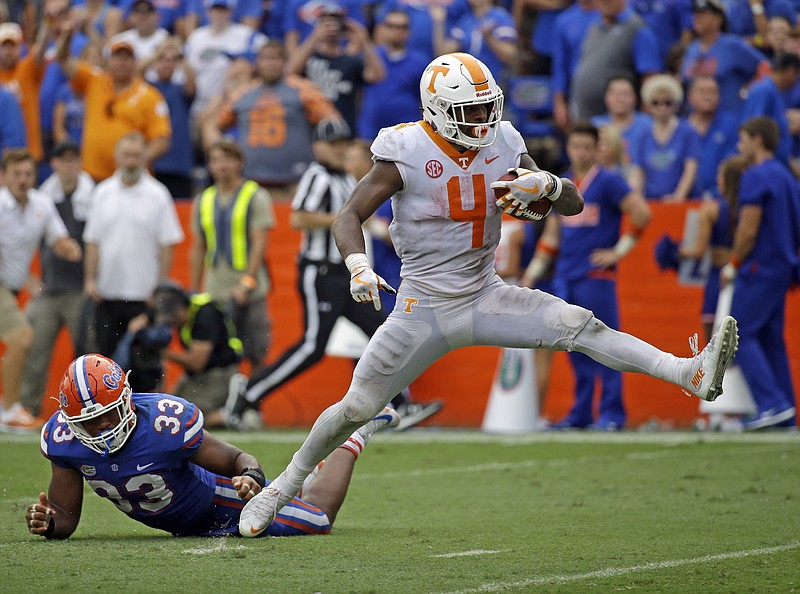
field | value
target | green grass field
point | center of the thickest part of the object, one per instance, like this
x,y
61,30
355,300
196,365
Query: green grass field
x,y
461,512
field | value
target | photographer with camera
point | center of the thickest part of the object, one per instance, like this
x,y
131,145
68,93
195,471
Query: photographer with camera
x,y
339,57
211,351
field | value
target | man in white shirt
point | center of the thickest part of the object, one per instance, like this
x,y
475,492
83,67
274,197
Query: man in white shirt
x,y
145,36
211,49
26,218
58,301
129,237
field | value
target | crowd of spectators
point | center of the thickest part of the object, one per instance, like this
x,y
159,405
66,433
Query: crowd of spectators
x,y
131,86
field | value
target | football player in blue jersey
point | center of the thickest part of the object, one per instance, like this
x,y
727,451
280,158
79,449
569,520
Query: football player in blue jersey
x,y
149,454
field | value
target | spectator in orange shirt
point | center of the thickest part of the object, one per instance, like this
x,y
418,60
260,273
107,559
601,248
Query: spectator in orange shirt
x,y
118,102
23,77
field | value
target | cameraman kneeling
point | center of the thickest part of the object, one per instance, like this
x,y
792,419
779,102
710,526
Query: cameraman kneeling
x,y
211,349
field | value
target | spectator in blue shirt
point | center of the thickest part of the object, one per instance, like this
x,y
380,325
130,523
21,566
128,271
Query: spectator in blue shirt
x,y
622,114
766,98
748,18
718,131
547,12
726,57
12,126
245,12
568,34
174,168
424,17
395,99
487,32
68,111
300,17
671,19
666,156
172,15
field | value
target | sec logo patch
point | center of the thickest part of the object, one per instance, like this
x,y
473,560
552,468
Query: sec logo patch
x,y
434,168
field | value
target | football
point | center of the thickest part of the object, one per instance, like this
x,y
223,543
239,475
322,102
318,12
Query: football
x,y
535,211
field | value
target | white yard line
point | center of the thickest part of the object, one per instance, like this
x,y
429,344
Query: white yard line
x,y
473,553
554,580
425,436
498,466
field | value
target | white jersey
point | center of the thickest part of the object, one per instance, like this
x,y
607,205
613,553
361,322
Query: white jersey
x,y
446,224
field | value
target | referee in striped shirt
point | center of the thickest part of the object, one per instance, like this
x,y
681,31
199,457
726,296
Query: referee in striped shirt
x,y
323,279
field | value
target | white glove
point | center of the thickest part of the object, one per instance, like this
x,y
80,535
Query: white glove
x,y
529,186
365,285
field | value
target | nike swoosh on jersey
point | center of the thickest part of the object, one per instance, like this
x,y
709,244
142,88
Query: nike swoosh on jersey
x,y
488,160
143,466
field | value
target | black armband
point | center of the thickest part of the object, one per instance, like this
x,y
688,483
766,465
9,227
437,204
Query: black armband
x,y
256,474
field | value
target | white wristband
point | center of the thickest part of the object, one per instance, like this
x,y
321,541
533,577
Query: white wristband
x,y
356,262
624,245
559,185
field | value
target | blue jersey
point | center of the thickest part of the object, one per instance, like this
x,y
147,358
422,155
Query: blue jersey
x,y
541,36
386,261
244,9
771,186
663,163
716,145
179,158
722,231
74,110
740,16
731,61
395,99
596,227
764,99
12,127
169,11
152,479
467,32
421,25
569,32
640,124
669,18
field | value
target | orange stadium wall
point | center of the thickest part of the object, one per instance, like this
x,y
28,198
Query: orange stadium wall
x,y
653,307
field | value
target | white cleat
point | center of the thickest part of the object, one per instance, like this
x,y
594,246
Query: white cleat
x,y
710,364
388,418
261,510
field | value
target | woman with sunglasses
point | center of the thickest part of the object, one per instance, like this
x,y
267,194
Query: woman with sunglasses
x,y
666,155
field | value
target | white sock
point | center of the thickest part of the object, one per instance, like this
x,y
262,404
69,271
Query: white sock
x,y
625,352
356,443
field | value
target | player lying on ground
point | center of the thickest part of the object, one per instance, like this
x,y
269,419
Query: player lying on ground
x,y
439,174
149,454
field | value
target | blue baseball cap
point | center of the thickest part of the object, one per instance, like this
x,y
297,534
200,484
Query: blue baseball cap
x,y
229,4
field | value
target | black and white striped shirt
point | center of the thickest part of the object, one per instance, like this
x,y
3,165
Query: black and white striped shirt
x,y
325,191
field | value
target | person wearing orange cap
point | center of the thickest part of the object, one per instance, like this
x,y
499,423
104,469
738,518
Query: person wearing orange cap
x,y
118,102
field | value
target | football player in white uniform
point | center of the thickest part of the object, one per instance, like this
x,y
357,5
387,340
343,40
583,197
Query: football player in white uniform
x,y
439,174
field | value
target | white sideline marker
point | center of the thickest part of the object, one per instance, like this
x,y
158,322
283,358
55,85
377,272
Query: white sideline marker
x,y
620,571
469,553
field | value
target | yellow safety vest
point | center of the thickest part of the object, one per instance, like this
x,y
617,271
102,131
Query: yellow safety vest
x,y
197,301
238,233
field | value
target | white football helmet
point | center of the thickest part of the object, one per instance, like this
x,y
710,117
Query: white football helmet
x,y
92,386
449,84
